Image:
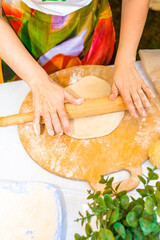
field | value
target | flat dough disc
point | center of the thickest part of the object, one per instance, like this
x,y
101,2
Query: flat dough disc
x,y
94,126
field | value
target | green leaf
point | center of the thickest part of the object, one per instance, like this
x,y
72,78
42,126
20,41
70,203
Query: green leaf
x,y
124,202
138,209
105,234
132,219
142,179
120,194
138,233
94,236
77,236
158,211
108,191
125,223
102,180
114,216
158,185
149,189
80,214
147,226
149,204
101,202
108,201
88,229
119,228
153,176
116,203
110,181
157,195
116,188
150,217
142,192
128,235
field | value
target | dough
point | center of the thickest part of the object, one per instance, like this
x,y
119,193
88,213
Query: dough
x,y
94,126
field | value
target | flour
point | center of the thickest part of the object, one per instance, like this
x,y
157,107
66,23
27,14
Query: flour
x,y
28,213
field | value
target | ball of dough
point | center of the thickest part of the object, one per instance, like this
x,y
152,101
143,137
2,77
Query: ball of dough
x,y
154,154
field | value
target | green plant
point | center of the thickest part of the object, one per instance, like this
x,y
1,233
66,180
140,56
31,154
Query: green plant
x,y
123,217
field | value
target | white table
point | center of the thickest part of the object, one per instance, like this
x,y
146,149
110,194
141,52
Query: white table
x,y
16,165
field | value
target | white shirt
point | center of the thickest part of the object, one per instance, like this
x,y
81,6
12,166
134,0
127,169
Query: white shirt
x,y
60,8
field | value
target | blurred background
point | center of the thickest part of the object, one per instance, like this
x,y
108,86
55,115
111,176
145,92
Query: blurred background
x,y
151,35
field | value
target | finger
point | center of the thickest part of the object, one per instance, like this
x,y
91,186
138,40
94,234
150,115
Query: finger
x,y
72,99
56,124
114,93
64,120
129,103
138,104
148,91
48,123
144,99
36,124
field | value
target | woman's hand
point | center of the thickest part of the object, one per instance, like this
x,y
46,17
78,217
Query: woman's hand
x,y
48,101
127,82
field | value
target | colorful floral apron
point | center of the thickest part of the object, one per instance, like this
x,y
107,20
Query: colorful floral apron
x,y
85,36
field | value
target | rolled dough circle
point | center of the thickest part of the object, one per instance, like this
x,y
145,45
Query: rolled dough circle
x,y
94,126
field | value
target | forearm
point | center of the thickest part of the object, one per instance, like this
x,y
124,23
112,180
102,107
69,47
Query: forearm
x,y
16,55
134,14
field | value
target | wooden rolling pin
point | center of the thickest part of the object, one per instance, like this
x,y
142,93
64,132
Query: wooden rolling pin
x,y
90,107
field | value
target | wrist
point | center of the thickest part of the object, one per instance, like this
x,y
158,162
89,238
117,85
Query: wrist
x,y
37,78
125,55
125,60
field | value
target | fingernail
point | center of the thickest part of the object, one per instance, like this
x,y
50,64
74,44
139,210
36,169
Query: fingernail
x,y
148,105
60,133
135,114
144,114
80,100
68,132
36,130
51,132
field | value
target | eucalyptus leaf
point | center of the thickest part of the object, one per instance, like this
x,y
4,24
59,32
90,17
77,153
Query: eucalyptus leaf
x,y
88,229
123,217
120,194
138,209
142,192
157,195
124,203
138,232
132,219
117,187
105,234
77,236
147,226
120,229
128,235
153,176
108,201
149,204
142,179
149,189
158,211
158,185
150,217
114,216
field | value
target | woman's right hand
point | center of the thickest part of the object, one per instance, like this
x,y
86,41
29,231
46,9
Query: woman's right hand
x,y
48,102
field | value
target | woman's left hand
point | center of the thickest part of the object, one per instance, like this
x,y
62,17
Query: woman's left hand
x,y
127,82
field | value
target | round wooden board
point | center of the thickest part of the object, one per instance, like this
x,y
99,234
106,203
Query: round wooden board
x,y
125,148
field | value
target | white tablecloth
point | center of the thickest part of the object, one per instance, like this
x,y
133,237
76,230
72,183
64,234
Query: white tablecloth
x,y
16,165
